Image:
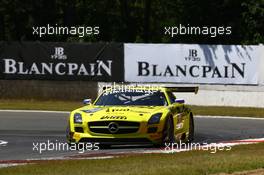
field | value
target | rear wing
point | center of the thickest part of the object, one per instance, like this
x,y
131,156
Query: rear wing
x,y
183,89
158,88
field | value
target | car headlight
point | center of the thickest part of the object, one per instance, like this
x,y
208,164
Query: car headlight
x,y
77,118
155,118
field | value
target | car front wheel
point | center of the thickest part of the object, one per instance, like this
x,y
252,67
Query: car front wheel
x,y
168,132
191,129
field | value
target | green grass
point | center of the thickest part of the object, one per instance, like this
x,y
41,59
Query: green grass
x,y
70,105
239,158
228,111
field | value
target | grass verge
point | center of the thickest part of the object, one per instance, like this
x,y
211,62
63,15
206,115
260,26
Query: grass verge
x,y
70,105
39,105
239,158
228,111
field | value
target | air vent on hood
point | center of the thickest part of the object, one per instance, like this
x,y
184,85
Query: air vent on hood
x,y
119,110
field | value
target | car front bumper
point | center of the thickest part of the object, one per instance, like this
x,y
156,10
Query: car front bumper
x,y
140,137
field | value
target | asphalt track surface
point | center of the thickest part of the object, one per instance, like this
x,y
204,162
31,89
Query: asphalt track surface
x,y
21,129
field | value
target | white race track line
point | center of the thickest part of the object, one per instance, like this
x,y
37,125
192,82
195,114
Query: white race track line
x,y
67,112
3,143
11,164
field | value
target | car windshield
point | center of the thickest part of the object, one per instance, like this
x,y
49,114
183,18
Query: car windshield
x,y
156,98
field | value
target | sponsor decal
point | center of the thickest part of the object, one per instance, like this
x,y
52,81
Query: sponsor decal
x,y
114,117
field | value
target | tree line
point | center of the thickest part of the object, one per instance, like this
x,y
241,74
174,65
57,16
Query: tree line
x,y
141,21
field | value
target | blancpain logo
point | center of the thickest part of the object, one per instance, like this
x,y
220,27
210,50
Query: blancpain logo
x,y
229,71
59,54
97,68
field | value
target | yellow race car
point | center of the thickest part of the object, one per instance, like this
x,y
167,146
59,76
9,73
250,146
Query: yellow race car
x,y
135,116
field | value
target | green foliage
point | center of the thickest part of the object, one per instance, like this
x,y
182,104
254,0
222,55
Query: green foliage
x,y
254,21
134,20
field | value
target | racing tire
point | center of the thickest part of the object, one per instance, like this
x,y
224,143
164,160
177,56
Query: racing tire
x,y
191,129
168,132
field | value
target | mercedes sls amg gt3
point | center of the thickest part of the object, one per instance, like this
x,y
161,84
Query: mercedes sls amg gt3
x,y
140,115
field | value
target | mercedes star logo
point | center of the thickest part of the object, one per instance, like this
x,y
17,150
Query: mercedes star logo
x,y
113,127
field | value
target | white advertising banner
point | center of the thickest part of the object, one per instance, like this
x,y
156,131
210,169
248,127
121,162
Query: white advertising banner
x,y
192,63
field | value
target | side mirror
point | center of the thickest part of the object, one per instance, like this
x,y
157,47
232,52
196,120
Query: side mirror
x,y
179,101
87,101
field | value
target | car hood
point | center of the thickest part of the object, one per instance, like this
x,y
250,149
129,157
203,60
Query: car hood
x,y
120,112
